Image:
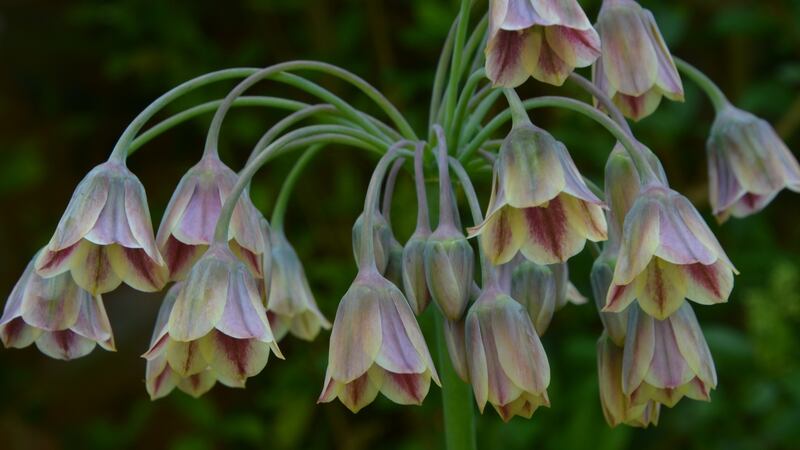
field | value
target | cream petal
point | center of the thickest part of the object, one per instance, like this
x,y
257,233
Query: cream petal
x,y
640,240
175,208
198,384
708,285
504,58
13,308
476,359
502,235
185,358
405,388
83,210
51,263
91,268
541,61
577,48
638,107
661,288
629,58
356,336
455,339
502,389
160,379
135,267
518,348
180,257
587,219
359,392
64,344
692,345
640,348
233,360
15,333
668,80
619,297
93,322
551,239
52,304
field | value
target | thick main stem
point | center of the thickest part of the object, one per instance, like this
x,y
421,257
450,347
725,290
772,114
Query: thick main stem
x,y
457,402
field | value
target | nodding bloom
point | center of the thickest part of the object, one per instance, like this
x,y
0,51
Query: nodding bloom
x,y
376,346
414,284
636,68
160,377
105,236
61,318
382,236
665,360
545,39
507,365
218,322
617,407
191,217
540,205
538,289
748,164
290,303
614,323
668,253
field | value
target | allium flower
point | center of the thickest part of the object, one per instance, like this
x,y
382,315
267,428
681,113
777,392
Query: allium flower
x,y
507,364
618,407
540,204
160,377
65,321
376,346
218,322
545,39
105,236
538,289
748,164
191,217
636,68
668,253
290,303
665,360
414,284
615,323
382,236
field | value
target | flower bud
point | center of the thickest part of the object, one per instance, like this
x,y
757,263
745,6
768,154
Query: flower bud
x,y
540,205
218,322
382,238
449,270
636,68
63,320
617,407
615,323
455,339
544,39
507,364
290,300
622,186
394,267
376,346
667,254
748,164
534,286
414,284
191,217
105,236
665,360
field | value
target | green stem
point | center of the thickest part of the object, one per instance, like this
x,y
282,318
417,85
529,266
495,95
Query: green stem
x,y
441,73
479,114
279,211
470,57
446,200
284,124
603,100
475,209
453,127
634,149
388,191
455,64
714,93
457,403
120,150
204,108
519,115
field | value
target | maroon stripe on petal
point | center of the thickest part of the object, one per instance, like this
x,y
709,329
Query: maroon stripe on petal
x,y
57,258
356,388
548,226
409,383
143,265
178,255
706,277
236,351
509,47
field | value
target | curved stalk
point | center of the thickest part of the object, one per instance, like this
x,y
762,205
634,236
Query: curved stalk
x,y
423,213
603,100
479,114
461,108
284,124
388,191
279,211
446,201
470,56
475,209
714,93
441,73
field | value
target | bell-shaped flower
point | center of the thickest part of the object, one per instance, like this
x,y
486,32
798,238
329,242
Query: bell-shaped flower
x,y
540,205
376,346
62,319
105,236
191,217
618,407
414,284
615,323
382,236
665,360
507,365
218,322
668,253
290,303
160,377
536,288
636,69
748,164
545,39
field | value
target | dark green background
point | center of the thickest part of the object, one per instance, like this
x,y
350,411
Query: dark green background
x,y
73,73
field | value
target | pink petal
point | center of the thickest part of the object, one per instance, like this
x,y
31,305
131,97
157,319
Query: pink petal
x,y
64,345
504,58
405,388
577,48
15,333
180,257
52,304
135,267
234,360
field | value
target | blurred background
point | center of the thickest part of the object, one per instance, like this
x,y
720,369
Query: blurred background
x,y
74,73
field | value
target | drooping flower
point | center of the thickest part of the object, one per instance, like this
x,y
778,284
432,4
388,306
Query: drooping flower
x,y
748,164
105,236
218,322
636,68
415,286
290,303
382,240
667,254
614,323
191,217
540,205
665,360
61,318
376,346
507,365
535,287
160,377
545,39
617,407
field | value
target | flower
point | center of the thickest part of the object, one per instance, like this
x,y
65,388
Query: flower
x,y
290,303
636,68
507,364
545,39
160,377
748,164
382,235
217,323
65,321
617,407
449,264
105,236
191,217
376,346
668,253
665,360
540,204
536,288
413,270
614,323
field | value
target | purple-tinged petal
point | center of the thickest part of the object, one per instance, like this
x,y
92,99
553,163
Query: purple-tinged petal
x,y
52,263
159,377
233,360
629,59
519,351
668,79
112,225
541,61
64,344
640,240
92,269
661,288
502,235
692,345
356,336
476,359
561,12
397,353
359,393
13,308
639,350
708,285
17,334
669,369
505,56
638,107
135,267
93,322
198,384
577,48
82,212
405,388
52,304
185,358
244,316
180,257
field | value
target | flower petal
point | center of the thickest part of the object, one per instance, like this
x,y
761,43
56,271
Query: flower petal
x,y
92,270
185,358
505,54
135,267
476,360
405,388
708,285
661,288
160,379
692,345
234,360
541,61
64,344
640,239
502,235
198,384
577,48
359,392
356,336
639,350
17,334
519,349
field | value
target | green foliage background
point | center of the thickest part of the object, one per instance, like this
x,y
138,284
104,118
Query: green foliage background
x,y
73,74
